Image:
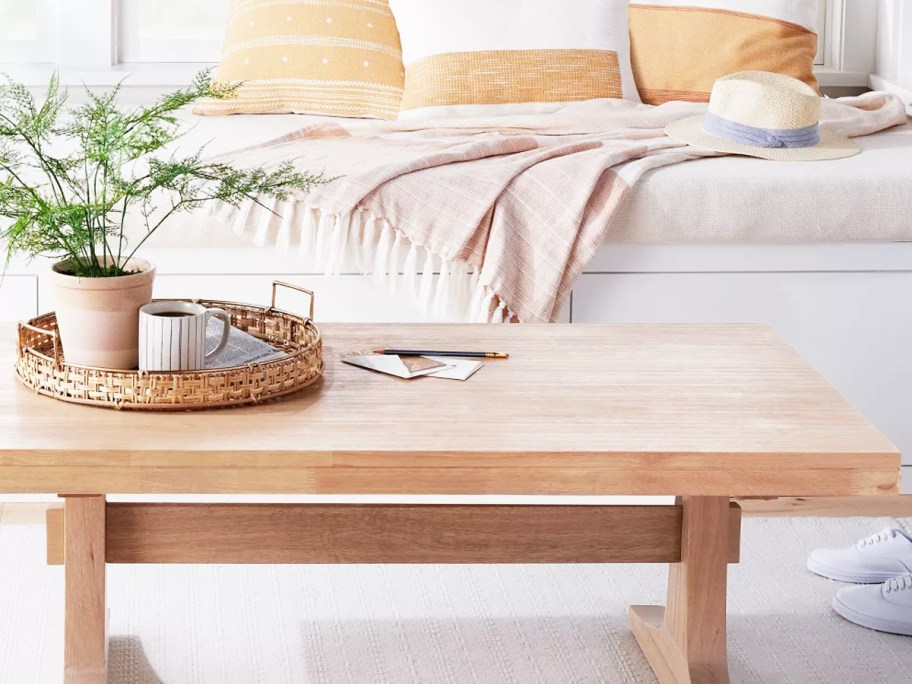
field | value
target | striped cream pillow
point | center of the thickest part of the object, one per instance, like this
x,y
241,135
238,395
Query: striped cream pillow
x,y
680,47
461,55
334,57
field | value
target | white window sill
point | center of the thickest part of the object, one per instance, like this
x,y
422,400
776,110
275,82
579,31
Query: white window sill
x,y
876,82
129,75
165,75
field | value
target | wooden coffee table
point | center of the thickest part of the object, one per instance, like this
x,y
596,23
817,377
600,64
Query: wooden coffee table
x,y
706,413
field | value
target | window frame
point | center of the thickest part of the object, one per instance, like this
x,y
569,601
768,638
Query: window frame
x,y
88,51
131,48
46,18
822,13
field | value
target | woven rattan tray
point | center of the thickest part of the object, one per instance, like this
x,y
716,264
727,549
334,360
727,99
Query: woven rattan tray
x,y
41,365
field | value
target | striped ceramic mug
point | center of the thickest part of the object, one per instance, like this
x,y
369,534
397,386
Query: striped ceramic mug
x,y
172,336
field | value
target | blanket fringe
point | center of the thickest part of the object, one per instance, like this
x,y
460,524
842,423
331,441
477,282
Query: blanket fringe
x,y
284,238
308,233
243,215
382,253
442,287
266,231
424,288
396,259
410,270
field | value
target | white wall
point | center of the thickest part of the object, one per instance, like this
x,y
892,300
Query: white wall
x,y
160,44
894,42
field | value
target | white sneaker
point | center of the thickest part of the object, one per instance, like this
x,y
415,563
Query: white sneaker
x,y
887,608
872,560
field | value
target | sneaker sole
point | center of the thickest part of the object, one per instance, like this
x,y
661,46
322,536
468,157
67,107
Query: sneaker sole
x,y
877,624
860,578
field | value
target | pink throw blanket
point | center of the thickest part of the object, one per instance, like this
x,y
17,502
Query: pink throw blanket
x,y
485,219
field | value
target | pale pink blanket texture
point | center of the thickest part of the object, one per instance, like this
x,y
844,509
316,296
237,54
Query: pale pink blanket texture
x,y
485,219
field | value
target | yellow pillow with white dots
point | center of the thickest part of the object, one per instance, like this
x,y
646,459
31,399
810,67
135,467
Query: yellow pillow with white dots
x,y
332,57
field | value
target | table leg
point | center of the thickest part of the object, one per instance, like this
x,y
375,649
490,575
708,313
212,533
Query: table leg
x,y
85,633
686,641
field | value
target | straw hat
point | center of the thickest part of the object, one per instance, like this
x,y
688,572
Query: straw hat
x,y
766,115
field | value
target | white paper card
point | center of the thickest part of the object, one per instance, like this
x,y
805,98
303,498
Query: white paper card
x,y
391,365
457,369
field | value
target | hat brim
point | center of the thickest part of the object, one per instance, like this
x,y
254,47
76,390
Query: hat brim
x,y
831,146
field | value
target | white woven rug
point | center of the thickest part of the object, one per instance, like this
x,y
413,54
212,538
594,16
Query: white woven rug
x,y
436,624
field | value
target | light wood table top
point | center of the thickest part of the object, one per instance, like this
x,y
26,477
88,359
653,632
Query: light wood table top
x,y
702,410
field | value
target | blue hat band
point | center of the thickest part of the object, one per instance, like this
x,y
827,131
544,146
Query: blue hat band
x,y
770,138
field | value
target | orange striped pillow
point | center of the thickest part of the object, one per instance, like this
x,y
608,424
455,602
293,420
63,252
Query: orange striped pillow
x,y
680,47
334,57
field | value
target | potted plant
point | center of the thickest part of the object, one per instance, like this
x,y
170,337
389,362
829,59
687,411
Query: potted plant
x,y
72,179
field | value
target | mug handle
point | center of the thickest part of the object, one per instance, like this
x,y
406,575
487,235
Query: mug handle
x,y
226,330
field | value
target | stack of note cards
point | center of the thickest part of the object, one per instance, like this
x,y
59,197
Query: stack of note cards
x,y
409,367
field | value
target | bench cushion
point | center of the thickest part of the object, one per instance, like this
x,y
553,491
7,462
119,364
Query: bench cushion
x,y
746,200
709,201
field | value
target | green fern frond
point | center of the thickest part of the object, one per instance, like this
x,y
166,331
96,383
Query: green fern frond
x,y
75,206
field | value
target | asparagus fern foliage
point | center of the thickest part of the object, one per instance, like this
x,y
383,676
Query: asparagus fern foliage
x,y
71,178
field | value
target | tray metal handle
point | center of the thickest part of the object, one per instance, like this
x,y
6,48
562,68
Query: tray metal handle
x,y
55,337
275,286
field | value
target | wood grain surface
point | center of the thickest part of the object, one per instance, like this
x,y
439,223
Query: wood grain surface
x,y
708,410
686,642
85,633
829,507
343,533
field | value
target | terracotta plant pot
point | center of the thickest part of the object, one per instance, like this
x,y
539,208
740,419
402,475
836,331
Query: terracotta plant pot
x,y
98,318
